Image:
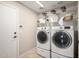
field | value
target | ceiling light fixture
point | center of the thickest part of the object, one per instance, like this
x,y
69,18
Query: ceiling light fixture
x,y
41,5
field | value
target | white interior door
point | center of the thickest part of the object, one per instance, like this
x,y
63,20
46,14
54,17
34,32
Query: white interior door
x,y
8,44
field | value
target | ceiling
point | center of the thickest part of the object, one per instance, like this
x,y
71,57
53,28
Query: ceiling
x,y
48,5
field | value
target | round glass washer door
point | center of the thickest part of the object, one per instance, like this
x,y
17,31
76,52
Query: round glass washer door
x,y
42,37
62,39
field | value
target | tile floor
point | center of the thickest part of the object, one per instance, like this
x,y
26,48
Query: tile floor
x,y
31,54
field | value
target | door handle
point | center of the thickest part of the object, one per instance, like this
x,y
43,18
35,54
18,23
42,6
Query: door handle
x,y
15,37
14,32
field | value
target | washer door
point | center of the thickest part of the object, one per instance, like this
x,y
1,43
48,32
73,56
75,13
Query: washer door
x,y
42,37
62,39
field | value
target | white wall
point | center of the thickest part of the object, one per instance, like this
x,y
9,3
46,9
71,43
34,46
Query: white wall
x,y
28,19
78,29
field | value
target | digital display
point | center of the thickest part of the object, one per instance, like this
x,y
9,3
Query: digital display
x,y
67,27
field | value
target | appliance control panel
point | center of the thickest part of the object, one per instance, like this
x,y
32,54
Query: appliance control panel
x,y
62,27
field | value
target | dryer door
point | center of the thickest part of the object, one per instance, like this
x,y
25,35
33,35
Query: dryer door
x,y
62,39
42,37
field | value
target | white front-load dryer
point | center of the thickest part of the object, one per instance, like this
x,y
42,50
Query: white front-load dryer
x,y
62,42
43,41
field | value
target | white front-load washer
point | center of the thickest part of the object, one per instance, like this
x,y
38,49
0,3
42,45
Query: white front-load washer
x,y
43,41
62,42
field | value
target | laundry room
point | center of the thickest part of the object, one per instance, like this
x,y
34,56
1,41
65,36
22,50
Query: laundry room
x,y
39,29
